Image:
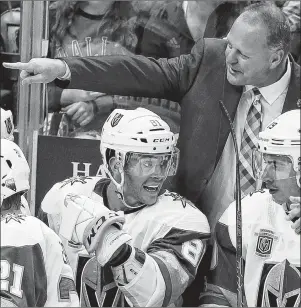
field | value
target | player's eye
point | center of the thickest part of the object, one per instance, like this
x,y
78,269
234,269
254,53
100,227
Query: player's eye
x,y
147,163
244,56
165,161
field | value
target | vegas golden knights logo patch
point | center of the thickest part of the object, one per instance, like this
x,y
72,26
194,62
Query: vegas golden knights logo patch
x,y
116,119
265,243
9,125
280,285
10,183
97,286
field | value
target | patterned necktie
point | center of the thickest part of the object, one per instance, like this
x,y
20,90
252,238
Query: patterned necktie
x,y
248,143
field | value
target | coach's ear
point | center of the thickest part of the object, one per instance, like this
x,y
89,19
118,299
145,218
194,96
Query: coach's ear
x,y
115,168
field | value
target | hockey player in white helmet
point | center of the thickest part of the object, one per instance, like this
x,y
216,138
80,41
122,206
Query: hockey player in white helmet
x,y
148,243
7,130
7,125
270,246
34,268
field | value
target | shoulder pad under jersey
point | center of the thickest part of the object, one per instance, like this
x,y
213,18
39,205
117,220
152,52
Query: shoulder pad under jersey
x,y
78,185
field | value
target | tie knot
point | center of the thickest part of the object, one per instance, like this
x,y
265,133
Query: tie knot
x,y
256,91
257,95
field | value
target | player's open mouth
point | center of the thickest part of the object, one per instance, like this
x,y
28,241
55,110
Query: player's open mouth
x,y
151,188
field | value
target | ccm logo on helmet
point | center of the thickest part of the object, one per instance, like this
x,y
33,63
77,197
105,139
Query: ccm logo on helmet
x,y
161,139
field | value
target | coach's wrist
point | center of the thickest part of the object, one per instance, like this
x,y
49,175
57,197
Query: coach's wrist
x,y
64,70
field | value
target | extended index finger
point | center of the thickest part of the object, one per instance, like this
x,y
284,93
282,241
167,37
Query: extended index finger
x,y
17,66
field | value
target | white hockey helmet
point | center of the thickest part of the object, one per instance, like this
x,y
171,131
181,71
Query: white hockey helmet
x,y
14,170
7,125
137,131
282,137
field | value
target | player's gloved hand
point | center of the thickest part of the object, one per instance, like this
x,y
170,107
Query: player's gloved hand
x,y
85,221
294,213
112,239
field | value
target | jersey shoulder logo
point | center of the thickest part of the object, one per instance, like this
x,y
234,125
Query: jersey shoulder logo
x,y
76,179
265,242
177,197
12,216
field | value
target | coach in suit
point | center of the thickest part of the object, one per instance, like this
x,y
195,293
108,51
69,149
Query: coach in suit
x,y
254,57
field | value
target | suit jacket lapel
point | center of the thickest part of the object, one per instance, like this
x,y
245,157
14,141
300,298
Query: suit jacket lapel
x,y
293,93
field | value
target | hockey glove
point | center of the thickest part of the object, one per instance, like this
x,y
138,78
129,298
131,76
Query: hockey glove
x,y
111,240
85,222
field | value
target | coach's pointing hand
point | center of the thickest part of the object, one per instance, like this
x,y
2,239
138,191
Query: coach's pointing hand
x,y
39,70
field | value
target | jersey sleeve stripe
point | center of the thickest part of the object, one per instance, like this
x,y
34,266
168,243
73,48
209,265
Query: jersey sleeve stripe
x,y
167,280
213,299
177,236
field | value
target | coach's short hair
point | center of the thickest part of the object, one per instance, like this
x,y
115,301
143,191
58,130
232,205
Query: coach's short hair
x,y
275,21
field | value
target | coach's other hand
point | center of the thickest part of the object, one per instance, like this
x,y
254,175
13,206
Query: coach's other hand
x,y
294,213
39,70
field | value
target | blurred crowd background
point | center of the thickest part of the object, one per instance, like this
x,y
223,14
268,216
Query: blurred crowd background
x,y
159,29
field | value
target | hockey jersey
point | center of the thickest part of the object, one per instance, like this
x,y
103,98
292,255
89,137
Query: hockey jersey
x,y
172,232
271,253
34,268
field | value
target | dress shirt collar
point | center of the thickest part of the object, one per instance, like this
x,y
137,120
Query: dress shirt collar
x,y
274,90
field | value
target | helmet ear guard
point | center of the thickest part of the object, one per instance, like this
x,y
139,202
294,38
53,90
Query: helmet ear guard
x,y
118,166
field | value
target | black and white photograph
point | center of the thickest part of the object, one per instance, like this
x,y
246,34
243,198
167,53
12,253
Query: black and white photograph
x,y
150,153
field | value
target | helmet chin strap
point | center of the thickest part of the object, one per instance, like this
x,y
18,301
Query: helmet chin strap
x,y
120,188
121,197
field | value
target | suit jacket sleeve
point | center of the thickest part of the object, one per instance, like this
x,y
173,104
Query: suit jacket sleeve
x,y
135,75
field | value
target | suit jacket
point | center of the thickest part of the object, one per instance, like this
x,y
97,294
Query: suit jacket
x,y
197,81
